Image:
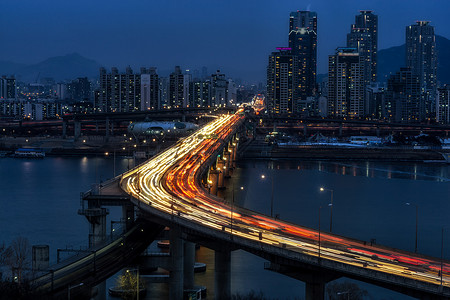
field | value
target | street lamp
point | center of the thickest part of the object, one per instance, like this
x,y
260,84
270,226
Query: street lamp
x,y
343,293
72,287
320,208
137,281
231,208
442,252
417,222
271,199
322,189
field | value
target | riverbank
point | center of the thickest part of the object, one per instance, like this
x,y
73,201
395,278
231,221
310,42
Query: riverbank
x,y
262,150
85,145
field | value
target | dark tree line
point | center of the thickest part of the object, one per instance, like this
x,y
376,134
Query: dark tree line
x,y
15,265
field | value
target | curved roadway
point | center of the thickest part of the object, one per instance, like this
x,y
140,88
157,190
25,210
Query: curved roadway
x,y
169,182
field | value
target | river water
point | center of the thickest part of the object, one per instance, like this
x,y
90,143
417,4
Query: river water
x,y
39,200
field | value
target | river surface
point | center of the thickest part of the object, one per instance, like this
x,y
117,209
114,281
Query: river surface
x,y
39,200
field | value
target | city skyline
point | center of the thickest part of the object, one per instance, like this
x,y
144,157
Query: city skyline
x,y
235,38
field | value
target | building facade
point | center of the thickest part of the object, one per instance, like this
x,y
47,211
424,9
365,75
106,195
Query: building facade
x,y
8,87
346,83
118,92
178,89
79,89
364,37
404,97
303,42
421,58
150,98
443,105
281,81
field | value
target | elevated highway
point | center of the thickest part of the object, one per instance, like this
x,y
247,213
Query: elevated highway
x,y
171,188
97,264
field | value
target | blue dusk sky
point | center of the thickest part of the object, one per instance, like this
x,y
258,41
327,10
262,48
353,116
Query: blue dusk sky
x,y
233,35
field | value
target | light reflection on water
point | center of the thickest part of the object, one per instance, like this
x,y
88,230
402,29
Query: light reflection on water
x,y
40,199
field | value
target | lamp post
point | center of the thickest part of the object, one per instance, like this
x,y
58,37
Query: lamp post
x,y
322,189
442,252
271,198
137,281
320,208
343,293
417,222
231,208
72,287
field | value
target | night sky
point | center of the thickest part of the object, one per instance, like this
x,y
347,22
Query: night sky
x,y
233,35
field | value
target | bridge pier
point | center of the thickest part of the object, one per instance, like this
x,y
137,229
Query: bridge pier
x,y
222,274
76,129
97,219
227,159
189,262
213,181
221,171
176,271
128,216
97,233
233,147
107,127
64,129
315,290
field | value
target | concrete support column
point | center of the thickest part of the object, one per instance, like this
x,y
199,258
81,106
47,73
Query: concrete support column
x,y
315,291
305,130
64,129
98,228
96,127
221,170
235,150
340,130
222,274
232,155
189,261
112,128
97,233
176,271
226,156
128,215
107,127
213,182
76,129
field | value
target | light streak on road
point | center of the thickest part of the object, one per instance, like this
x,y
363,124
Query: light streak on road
x,y
169,183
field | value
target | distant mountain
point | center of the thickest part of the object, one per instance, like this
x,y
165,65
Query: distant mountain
x,y
390,60
65,67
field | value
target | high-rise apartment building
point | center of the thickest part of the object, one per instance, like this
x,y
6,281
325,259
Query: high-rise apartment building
x,y
404,97
422,61
364,37
375,104
150,99
199,93
303,42
178,89
7,87
219,94
346,83
119,92
443,105
281,81
79,89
